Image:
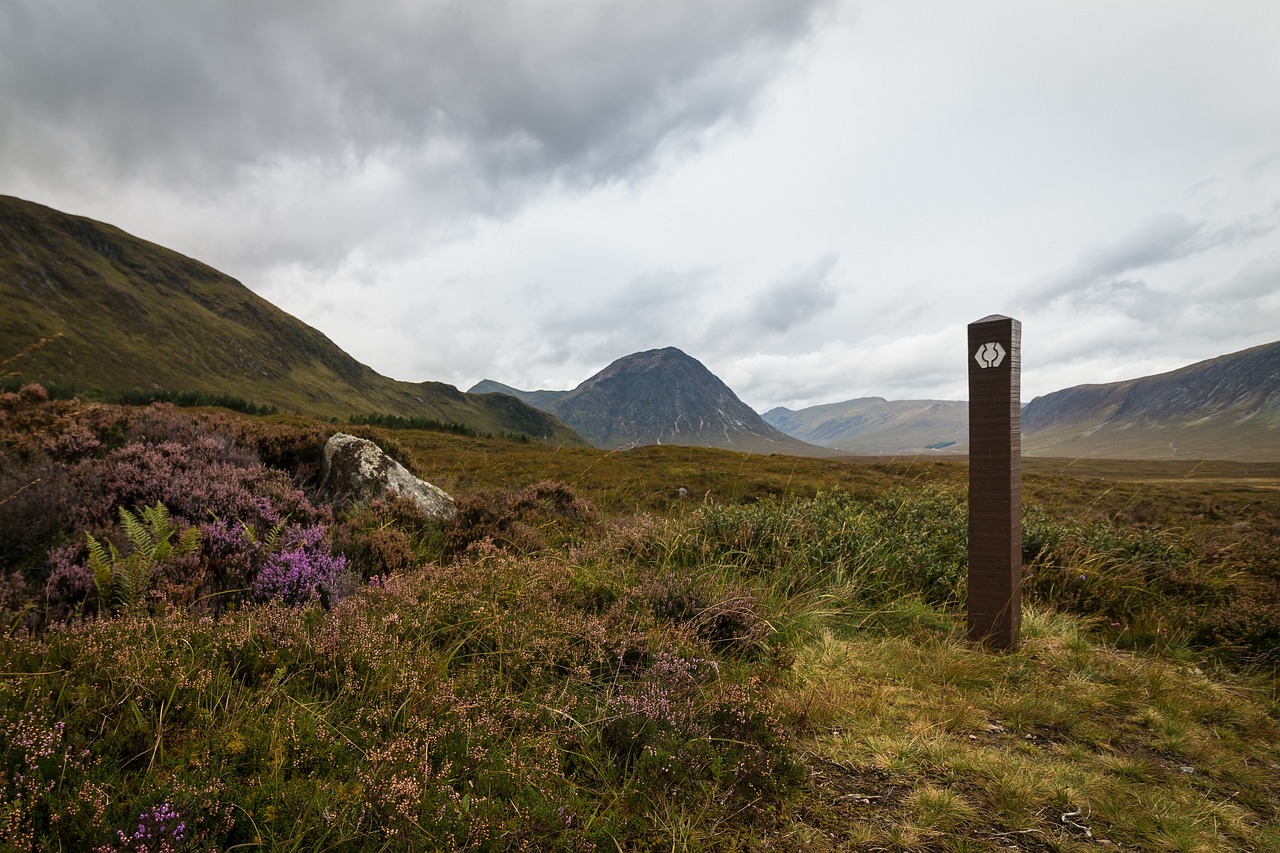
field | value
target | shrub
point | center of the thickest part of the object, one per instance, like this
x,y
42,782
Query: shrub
x,y
68,469
678,727
729,618
44,783
160,829
388,536
524,519
34,495
1139,579
208,477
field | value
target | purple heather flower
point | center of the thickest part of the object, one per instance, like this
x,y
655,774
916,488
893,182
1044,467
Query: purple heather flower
x,y
303,571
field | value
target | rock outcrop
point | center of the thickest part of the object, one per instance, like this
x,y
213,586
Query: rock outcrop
x,y
356,469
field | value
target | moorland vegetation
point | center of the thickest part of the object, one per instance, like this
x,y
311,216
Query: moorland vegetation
x,y
664,648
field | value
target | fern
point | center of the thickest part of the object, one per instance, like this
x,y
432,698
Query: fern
x,y
102,565
273,536
124,580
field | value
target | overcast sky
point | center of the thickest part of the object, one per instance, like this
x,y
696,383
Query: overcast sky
x,y
812,197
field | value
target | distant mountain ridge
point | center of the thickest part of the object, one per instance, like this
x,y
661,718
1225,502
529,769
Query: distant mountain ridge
x,y
661,396
1222,408
134,315
875,426
538,399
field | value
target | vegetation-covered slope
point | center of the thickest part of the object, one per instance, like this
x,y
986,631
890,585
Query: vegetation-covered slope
x,y
773,659
873,425
128,314
1224,408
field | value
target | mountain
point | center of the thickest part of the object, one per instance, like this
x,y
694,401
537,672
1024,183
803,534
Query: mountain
x,y
875,426
129,314
538,399
662,396
1224,408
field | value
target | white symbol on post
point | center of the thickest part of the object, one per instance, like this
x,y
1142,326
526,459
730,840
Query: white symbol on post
x,y
989,355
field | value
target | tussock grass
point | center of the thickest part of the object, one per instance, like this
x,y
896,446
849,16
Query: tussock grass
x,y
1063,744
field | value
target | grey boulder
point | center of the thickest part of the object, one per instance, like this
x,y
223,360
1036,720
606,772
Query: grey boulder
x,y
356,469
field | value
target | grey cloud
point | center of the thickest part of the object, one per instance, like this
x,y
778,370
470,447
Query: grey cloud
x,y
790,302
1114,319
200,92
295,130
1258,278
1160,238
651,310
1157,240
773,312
1132,298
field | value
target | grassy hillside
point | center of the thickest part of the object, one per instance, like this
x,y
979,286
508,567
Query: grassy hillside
x,y
1223,408
1217,436
873,425
668,648
121,313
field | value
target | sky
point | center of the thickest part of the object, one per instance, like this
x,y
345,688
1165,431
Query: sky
x,y
811,197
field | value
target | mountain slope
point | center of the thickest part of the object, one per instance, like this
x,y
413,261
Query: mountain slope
x,y
873,425
538,399
662,396
1224,408
131,314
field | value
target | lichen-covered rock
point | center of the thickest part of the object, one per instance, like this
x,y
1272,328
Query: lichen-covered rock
x,y
356,469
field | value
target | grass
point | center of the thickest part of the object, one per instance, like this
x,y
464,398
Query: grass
x,y
590,660
1063,744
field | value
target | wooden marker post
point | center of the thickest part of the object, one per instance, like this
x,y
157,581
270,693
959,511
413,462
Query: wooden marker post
x,y
995,481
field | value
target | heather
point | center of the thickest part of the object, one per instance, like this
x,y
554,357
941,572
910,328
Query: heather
x,y
659,649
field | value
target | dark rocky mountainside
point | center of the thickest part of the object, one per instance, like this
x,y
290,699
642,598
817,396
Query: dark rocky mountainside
x,y
1224,408
875,426
662,396
127,314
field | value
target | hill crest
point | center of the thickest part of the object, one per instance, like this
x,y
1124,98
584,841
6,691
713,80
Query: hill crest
x,y
131,314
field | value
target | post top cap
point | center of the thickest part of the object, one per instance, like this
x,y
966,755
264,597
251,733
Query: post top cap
x,y
991,317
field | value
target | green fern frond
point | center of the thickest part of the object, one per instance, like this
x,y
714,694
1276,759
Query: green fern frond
x,y
157,515
134,580
101,564
157,520
134,528
188,542
273,537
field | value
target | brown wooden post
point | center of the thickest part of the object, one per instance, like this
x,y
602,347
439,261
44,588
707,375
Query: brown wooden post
x,y
995,481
